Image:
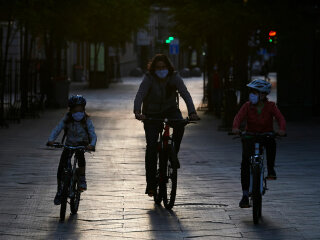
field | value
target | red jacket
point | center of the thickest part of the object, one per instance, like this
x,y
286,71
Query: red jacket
x,y
262,122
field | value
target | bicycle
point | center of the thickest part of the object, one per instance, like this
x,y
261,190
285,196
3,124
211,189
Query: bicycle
x,y
258,182
167,163
70,181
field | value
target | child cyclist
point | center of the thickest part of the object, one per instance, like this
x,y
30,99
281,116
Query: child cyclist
x,y
79,131
259,113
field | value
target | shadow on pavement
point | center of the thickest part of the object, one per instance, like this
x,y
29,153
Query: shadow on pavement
x,y
165,224
66,229
266,229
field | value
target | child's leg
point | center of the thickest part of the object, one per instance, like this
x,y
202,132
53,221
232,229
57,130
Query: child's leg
x,y
81,163
62,164
82,170
247,150
271,155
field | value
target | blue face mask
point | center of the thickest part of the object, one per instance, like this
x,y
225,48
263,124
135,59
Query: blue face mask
x,y
162,73
253,98
78,116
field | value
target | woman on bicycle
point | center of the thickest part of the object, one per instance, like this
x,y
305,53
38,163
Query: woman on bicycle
x,y
259,113
79,131
158,94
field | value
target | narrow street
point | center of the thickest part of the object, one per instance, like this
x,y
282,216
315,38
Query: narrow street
x,y
115,206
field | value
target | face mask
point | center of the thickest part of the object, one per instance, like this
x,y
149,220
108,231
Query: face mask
x,y
78,116
253,98
162,73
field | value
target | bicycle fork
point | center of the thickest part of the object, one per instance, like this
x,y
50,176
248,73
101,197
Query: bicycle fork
x,y
73,176
257,162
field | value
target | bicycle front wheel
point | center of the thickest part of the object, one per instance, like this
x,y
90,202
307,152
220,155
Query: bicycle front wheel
x,y
256,195
160,177
171,178
75,200
64,197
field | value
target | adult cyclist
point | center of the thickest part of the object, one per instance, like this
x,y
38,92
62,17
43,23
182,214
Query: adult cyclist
x,y
158,95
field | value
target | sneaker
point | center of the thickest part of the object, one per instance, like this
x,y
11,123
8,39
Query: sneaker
x,y
151,192
82,183
244,203
57,198
272,174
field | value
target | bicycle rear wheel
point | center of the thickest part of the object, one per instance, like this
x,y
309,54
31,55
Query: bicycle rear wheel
x,y
75,200
256,195
170,187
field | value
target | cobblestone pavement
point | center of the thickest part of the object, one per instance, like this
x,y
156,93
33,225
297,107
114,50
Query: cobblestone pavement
x,y
115,206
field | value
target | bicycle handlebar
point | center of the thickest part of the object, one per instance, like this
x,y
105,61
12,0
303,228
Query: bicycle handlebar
x,y
59,145
167,120
252,134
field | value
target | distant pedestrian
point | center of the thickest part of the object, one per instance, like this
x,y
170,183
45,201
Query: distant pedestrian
x,y
158,94
79,131
259,113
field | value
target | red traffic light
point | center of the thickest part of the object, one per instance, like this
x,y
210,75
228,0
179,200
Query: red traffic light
x,y
272,33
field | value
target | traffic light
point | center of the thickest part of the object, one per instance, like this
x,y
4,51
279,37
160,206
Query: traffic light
x,y
169,39
273,37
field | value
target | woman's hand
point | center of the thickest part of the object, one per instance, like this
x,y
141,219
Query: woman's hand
x,y
194,117
90,147
140,116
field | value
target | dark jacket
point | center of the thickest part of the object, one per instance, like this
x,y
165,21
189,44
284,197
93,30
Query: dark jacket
x,y
160,96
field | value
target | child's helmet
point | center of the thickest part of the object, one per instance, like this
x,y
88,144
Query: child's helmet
x,y
260,85
77,100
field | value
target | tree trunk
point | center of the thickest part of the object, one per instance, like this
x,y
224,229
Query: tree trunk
x,y
4,70
24,74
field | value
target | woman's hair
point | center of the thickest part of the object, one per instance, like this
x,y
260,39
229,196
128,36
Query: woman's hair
x,y
162,58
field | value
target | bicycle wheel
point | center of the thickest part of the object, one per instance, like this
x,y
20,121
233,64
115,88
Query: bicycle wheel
x,y
170,187
159,179
64,197
256,195
158,196
75,200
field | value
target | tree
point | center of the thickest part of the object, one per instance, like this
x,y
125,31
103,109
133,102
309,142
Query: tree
x,y
111,23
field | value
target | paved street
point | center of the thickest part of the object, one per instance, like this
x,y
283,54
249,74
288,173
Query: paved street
x,y
115,206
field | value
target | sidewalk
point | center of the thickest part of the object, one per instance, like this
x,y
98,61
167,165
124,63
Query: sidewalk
x,y
115,206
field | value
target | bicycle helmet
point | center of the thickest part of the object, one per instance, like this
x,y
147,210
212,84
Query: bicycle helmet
x,y
77,100
260,85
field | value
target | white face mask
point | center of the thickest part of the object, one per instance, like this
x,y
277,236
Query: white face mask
x,y
78,116
162,73
253,98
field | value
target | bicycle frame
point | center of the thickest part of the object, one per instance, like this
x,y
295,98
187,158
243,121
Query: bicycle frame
x,y
258,183
69,180
257,160
165,135
71,171
167,164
